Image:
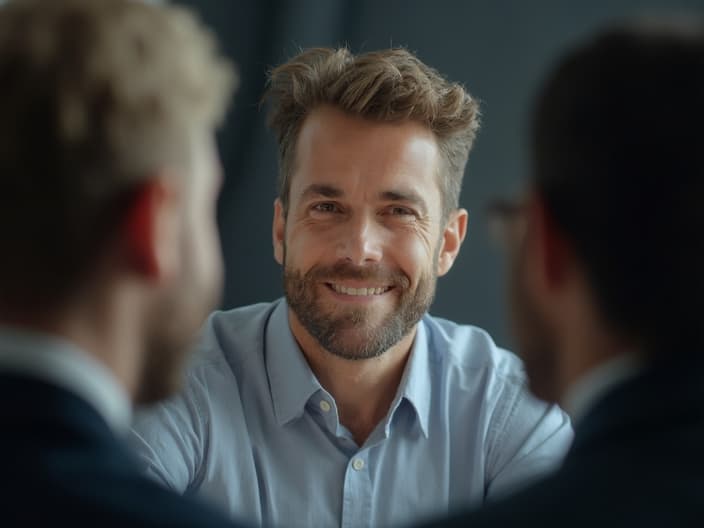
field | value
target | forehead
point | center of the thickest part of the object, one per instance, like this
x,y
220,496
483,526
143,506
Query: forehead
x,y
350,152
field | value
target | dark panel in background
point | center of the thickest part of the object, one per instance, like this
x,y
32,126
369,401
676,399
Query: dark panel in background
x,y
498,49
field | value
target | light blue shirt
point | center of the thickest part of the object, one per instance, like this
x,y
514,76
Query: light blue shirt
x,y
255,432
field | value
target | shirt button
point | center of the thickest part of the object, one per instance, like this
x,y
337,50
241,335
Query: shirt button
x,y
325,406
358,464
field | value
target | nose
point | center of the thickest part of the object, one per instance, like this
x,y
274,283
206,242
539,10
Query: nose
x,y
360,241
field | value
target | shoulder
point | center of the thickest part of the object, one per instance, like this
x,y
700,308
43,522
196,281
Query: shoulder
x,y
237,327
133,501
548,502
94,482
469,350
231,338
228,353
153,505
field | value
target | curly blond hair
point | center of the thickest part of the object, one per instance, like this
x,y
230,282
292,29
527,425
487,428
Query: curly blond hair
x,y
390,85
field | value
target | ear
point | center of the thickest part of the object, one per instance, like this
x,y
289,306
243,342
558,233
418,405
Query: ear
x,y
546,246
151,230
452,238
279,231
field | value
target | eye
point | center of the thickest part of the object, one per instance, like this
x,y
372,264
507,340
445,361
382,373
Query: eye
x,y
398,210
325,207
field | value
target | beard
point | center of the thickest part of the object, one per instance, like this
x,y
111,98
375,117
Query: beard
x,y
177,315
352,333
535,340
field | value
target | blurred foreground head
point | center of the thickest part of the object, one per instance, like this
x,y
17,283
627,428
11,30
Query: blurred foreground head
x,y
613,252
108,175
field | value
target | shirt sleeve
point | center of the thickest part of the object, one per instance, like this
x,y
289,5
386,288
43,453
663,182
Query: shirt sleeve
x,y
168,439
528,439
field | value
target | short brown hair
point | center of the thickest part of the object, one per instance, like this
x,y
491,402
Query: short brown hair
x,y
94,94
390,85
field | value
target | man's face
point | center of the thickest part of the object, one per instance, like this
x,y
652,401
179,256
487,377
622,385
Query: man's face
x,y
194,291
361,240
535,339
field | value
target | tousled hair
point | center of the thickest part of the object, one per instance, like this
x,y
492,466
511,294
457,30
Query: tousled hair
x,y
389,86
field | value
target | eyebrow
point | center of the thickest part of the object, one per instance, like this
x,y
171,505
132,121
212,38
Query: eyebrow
x,y
395,195
321,189
406,196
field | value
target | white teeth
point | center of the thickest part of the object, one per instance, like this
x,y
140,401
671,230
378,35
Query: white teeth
x,y
358,291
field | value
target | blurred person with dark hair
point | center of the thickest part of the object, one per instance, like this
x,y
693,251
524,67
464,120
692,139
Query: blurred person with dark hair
x,y
346,404
608,292
110,258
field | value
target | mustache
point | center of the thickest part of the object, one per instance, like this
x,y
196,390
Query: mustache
x,y
345,270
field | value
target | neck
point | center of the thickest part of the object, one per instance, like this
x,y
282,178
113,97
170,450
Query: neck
x,y
588,345
98,329
596,382
377,379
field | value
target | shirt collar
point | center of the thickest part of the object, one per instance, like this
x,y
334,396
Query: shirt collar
x,y
291,380
415,383
59,362
293,383
585,392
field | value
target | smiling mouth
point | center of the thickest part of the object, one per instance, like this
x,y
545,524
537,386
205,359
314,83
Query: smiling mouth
x,y
358,292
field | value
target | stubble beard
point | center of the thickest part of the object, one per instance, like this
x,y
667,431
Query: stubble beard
x,y
172,332
536,342
349,333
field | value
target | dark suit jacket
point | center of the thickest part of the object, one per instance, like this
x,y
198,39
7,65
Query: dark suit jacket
x,y
62,466
637,460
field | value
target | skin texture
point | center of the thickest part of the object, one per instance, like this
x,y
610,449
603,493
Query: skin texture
x,y
365,213
193,273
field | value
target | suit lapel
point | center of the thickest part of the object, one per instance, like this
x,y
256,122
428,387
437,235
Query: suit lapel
x,y
661,398
42,414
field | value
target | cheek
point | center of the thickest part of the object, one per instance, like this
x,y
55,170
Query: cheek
x,y
212,252
206,260
413,254
304,249
203,244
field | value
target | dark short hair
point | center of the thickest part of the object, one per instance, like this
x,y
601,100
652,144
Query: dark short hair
x,y
618,158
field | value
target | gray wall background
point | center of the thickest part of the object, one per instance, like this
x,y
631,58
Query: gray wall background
x,y
498,49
